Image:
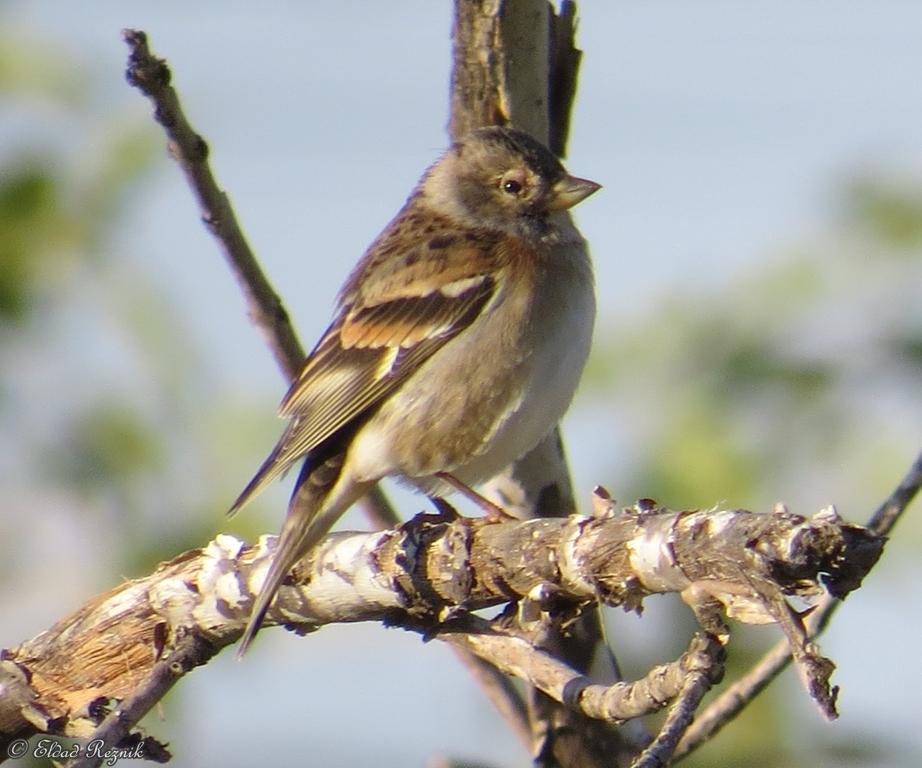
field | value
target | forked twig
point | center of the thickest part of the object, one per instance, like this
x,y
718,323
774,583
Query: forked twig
x,y
737,696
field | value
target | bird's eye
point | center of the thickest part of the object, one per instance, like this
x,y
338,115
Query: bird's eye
x,y
512,187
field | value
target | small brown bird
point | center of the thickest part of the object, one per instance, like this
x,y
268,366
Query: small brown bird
x,y
456,346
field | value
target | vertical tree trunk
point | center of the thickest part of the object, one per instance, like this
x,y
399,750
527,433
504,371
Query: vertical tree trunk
x,y
515,64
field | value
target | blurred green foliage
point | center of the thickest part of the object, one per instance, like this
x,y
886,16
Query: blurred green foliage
x,y
64,297
797,381
890,212
28,208
36,70
806,367
108,445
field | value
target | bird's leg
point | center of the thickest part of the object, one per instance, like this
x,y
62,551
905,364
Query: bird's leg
x,y
493,511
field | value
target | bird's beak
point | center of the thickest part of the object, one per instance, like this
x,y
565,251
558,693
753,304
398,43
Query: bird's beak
x,y
569,191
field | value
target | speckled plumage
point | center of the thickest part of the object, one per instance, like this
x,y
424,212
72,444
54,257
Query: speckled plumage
x,y
457,343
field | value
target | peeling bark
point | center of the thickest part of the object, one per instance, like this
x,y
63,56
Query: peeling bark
x,y
428,574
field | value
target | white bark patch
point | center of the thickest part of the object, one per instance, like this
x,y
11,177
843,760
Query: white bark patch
x,y
652,557
572,570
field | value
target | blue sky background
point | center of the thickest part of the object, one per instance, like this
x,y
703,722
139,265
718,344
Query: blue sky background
x,y
720,132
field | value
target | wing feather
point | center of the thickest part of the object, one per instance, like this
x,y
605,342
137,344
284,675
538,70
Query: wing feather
x,y
379,338
347,379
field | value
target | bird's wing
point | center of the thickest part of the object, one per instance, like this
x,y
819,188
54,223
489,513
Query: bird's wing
x,y
405,310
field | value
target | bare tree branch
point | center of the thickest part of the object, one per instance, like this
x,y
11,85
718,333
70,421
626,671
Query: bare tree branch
x,y
695,684
612,703
736,697
889,513
152,77
190,651
427,575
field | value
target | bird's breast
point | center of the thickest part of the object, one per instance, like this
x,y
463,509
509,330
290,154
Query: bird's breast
x,y
494,391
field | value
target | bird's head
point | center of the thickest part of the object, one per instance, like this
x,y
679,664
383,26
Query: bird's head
x,y
505,180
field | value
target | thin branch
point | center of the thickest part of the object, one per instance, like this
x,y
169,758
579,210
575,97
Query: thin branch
x,y
190,651
698,681
725,707
610,703
151,75
888,514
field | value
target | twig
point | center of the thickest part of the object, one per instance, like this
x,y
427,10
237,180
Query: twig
x,y
190,651
698,682
736,697
612,703
887,514
151,76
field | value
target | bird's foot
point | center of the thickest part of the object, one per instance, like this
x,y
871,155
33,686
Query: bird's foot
x,y
494,512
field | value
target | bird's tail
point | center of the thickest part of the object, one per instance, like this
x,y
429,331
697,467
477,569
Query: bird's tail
x,y
318,500
274,466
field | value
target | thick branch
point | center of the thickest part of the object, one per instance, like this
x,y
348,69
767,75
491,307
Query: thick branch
x,y
424,574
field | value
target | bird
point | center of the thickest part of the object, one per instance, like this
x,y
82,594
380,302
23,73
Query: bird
x,y
456,345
